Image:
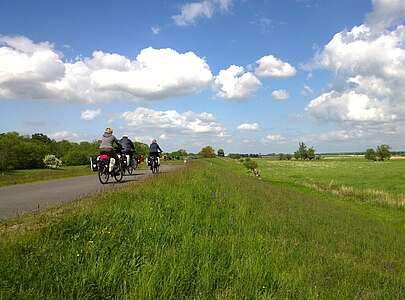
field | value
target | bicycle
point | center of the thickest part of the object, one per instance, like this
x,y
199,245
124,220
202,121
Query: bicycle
x,y
104,172
128,168
154,164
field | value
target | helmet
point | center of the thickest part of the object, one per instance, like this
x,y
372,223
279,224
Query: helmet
x,y
108,130
154,141
125,135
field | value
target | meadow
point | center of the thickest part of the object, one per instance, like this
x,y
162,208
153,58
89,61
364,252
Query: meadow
x,y
377,182
207,231
32,175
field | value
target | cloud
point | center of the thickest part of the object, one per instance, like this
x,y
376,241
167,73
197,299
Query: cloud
x,y
249,126
155,29
386,13
339,135
270,66
89,114
280,94
192,11
306,91
370,71
64,135
348,106
276,138
37,71
173,121
235,84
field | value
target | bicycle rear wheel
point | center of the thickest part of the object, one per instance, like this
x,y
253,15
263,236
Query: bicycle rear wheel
x,y
103,175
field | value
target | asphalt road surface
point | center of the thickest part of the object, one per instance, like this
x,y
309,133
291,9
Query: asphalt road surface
x,y
18,199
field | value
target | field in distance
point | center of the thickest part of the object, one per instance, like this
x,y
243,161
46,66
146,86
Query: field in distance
x,y
355,177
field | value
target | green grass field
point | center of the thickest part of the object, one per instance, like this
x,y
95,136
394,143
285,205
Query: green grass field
x,y
207,231
377,182
25,176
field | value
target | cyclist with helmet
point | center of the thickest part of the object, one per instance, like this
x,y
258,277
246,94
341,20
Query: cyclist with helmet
x,y
155,150
108,140
127,147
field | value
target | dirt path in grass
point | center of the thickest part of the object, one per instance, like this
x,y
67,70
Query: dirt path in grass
x,y
21,198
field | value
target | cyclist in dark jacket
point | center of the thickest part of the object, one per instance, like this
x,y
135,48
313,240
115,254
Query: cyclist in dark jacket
x,y
127,147
155,150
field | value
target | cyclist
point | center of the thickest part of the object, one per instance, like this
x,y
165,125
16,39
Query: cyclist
x,y
128,148
155,150
108,140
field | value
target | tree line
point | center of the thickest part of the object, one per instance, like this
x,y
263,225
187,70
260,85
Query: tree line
x,y
28,151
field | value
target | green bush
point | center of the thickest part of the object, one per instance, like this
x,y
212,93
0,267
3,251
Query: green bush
x,y
250,164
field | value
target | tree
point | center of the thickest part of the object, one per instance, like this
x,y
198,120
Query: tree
x,y
302,151
221,152
141,149
41,138
76,158
234,155
207,152
311,153
288,156
383,152
370,154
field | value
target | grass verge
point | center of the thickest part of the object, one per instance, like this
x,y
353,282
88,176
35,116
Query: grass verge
x,y
32,175
206,231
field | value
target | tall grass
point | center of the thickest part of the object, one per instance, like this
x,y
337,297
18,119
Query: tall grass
x,y
206,232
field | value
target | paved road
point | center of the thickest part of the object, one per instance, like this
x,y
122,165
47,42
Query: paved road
x,y
21,198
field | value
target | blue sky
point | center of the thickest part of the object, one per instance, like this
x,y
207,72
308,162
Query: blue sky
x,y
162,69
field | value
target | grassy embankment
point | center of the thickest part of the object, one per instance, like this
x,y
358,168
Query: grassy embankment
x,y
32,175
367,181
206,231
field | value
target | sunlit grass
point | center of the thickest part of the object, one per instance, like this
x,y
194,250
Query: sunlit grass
x,y
32,175
378,182
206,231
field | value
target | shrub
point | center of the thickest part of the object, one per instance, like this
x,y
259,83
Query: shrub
x,y
383,152
51,161
250,164
370,154
207,152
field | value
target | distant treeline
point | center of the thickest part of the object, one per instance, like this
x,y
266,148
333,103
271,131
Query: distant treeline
x,y
27,152
243,155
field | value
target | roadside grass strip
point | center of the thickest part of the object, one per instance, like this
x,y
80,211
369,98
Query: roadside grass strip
x,y
207,231
33,175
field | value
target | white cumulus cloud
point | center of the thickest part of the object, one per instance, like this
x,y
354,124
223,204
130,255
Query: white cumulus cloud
x,y
349,106
235,84
173,121
280,94
249,126
192,11
31,70
386,13
275,138
90,114
369,64
270,66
